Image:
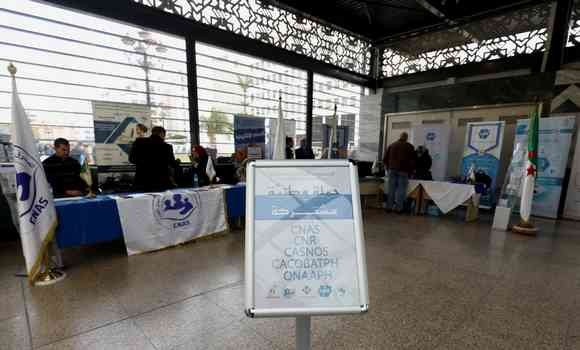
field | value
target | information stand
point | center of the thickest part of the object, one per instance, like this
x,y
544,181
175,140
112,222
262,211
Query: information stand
x,y
305,252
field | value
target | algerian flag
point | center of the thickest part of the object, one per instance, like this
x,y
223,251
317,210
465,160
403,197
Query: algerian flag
x,y
280,136
531,166
36,211
86,171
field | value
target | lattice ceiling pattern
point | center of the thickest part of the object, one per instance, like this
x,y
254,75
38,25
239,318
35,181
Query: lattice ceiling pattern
x,y
257,20
574,33
521,32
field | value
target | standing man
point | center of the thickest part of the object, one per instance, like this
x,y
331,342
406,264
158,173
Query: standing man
x,y
154,161
289,148
64,172
400,161
304,152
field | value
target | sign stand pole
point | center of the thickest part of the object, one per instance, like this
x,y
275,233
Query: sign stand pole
x,y
303,333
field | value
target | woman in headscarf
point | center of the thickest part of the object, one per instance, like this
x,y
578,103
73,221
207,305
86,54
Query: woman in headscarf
x,y
199,159
423,164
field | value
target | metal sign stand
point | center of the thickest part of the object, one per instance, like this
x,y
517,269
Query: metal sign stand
x,y
303,333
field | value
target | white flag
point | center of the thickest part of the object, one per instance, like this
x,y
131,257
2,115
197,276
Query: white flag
x,y
280,136
209,169
36,211
333,137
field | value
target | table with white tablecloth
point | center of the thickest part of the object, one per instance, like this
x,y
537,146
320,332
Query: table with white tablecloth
x,y
446,196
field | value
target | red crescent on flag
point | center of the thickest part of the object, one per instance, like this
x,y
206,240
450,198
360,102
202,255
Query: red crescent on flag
x,y
531,170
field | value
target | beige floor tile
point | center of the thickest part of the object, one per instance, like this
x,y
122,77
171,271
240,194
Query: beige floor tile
x,y
73,306
122,335
179,323
11,299
574,343
235,336
14,334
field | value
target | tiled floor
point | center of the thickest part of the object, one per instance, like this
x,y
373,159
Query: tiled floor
x,y
435,283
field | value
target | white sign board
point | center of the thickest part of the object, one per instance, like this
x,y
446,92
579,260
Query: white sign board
x,y
572,209
304,239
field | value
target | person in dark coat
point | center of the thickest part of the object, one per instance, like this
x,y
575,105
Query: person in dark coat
x,y
424,163
199,159
304,152
64,172
400,162
154,160
289,148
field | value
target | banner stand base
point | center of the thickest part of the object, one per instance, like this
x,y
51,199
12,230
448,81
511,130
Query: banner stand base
x,y
49,277
303,333
525,228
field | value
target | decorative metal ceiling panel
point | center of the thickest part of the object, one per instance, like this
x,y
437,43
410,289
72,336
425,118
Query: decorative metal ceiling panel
x,y
517,33
258,20
574,32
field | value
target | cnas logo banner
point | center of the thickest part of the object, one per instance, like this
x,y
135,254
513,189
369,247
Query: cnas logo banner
x,y
174,210
29,174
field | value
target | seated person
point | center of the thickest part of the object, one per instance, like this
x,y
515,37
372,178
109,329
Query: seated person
x,y
154,162
199,159
63,172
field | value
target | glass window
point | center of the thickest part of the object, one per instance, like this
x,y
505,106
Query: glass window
x,y
66,60
329,92
232,84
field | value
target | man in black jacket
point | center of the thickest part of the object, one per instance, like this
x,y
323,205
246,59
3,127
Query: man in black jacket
x,y
154,160
400,162
63,172
304,152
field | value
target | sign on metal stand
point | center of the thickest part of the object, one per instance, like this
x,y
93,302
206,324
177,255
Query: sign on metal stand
x,y
305,252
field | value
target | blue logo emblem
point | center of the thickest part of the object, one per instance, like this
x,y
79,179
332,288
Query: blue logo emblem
x,y
288,293
28,170
174,209
521,129
484,133
431,136
325,291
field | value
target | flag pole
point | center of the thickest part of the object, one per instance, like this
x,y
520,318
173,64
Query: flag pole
x,y
525,227
48,273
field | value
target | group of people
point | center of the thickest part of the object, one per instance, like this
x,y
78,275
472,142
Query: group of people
x,y
302,152
402,161
156,167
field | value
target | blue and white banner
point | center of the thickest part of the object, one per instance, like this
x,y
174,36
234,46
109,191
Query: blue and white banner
x,y
154,221
249,131
304,238
115,131
482,152
554,146
436,139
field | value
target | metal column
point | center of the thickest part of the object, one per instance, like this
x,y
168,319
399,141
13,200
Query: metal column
x,y
192,91
309,107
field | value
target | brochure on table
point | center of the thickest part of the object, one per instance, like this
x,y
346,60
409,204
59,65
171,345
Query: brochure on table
x,y
305,247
